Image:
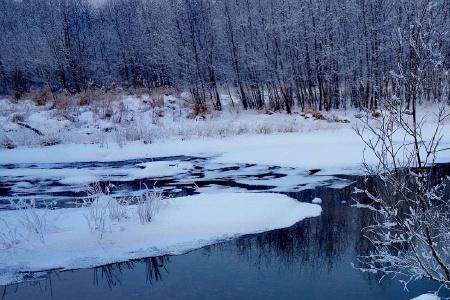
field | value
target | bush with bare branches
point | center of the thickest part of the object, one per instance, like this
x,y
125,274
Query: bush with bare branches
x,y
409,234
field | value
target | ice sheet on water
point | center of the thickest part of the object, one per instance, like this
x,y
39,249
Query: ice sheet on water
x,y
180,225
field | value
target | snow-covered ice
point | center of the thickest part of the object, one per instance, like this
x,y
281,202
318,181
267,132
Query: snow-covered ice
x,y
333,151
161,169
181,224
75,175
316,201
426,297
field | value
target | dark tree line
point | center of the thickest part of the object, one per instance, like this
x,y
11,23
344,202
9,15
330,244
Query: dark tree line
x,y
318,54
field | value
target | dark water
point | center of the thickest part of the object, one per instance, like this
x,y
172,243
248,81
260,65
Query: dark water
x,y
310,260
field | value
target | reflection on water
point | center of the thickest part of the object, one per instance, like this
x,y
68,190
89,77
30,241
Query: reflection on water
x,y
310,260
111,274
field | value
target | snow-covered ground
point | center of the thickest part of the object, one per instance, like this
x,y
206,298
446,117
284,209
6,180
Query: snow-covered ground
x,y
180,225
133,118
232,136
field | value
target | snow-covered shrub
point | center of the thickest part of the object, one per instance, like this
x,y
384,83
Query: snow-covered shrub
x,y
127,133
96,203
66,106
6,142
103,106
50,141
264,129
148,205
9,237
35,221
7,145
120,114
117,209
97,213
17,118
288,126
88,96
102,209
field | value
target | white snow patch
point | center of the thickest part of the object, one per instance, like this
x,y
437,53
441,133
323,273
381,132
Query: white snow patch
x,y
79,180
316,201
161,169
215,188
427,297
182,224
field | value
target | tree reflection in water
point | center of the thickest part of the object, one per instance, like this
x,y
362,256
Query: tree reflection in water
x,y
112,273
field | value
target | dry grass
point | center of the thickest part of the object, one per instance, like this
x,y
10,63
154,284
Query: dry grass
x,y
198,112
318,115
103,104
157,102
40,97
66,106
88,96
161,91
140,91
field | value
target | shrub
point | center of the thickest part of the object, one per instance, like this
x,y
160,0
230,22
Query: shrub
x,y
103,105
102,208
140,91
108,113
157,102
96,203
88,96
9,237
40,97
117,209
8,145
6,142
318,115
66,106
50,141
17,118
148,205
96,215
198,112
35,221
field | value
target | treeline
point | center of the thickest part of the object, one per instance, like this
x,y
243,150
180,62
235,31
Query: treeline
x,y
318,54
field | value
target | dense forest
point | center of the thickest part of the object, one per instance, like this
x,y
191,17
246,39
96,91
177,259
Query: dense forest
x,y
318,54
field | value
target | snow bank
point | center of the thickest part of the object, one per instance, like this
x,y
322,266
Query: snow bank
x,y
182,224
334,151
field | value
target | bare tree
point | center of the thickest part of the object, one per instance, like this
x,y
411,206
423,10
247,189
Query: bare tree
x,y
322,54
